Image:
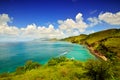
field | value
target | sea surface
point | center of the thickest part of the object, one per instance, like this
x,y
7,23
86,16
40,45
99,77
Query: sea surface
x,y
14,54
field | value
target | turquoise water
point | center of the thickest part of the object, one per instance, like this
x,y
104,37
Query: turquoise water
x,y
14,54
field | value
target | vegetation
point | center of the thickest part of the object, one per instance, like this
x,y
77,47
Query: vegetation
x,y
65,69
99,70
55,61
75,39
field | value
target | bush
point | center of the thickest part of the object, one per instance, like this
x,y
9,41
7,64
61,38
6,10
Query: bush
x,y
52,62
20,70
28,66
55,61
31,65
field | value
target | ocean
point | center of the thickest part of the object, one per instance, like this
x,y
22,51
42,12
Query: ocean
x,y
14,54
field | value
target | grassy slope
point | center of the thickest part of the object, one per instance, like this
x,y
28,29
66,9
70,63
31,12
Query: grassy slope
x,y
75,39
106,42
63,71
66,70
92,38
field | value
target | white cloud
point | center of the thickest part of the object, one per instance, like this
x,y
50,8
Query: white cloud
x,y
73,27
30,32
4,18
110,18
93,21
68,27
79,17
33,32
6,30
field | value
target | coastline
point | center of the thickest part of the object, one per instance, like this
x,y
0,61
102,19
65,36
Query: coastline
x,y
96,53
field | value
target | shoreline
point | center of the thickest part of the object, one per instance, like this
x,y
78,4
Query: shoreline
x,y
92,51
97,54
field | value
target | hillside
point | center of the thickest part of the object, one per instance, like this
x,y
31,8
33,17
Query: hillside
x,y
98,36
105,42
75,39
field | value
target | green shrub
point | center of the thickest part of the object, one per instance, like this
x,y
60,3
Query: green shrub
x,y
31,65
55,61
52,62
20,70
28,66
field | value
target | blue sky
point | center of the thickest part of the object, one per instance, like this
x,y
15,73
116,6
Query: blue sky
x,y
58,13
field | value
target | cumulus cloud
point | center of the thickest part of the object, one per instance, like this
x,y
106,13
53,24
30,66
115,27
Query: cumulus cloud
x,y
6,30
66,28
72,27
110,18
30,32
4,18
33,31
93,21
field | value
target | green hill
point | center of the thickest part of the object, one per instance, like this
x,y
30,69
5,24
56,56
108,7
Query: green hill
x,y
75,39
95,37
106,42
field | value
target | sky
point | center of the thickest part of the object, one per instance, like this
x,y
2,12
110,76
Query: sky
x,y
35,19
